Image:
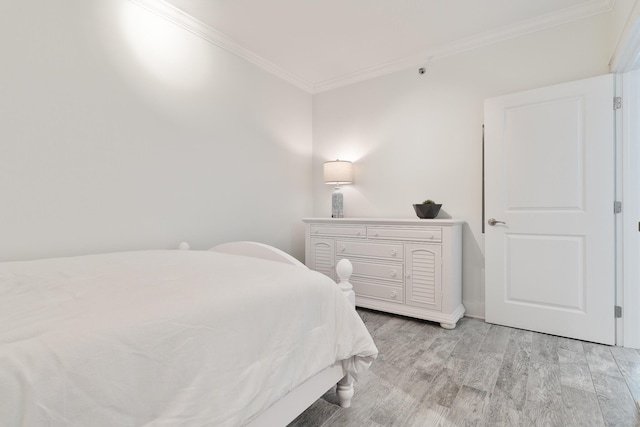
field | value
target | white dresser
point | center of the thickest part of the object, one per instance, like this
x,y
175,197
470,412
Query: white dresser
x,y
403,266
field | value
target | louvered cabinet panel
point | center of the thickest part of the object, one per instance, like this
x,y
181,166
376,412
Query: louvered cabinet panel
x,y
323,257
424,276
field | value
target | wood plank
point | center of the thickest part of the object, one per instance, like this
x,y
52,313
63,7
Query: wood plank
x,y
434,358
514,371
617,406
509,393
460,361
395,408
543,415
582,408
574,369
631,374
601,360
569,344
429,414
502,412
627,354
483,372
543,383
576,375
469,407
496,339
444,388
544,404
567,356
544,348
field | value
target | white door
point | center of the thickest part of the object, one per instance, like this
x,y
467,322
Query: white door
x,y
549,176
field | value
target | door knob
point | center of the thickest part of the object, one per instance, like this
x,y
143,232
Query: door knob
x,y
493,221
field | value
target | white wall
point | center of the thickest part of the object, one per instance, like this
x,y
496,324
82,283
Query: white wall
x,y
415,136
121,131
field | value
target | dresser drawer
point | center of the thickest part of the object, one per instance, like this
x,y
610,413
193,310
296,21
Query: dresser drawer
x,y
386,272
373,290
339,230
426,234
372,250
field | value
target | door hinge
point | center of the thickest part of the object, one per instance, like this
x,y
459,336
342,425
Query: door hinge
x,y
617,102
618,312
617,207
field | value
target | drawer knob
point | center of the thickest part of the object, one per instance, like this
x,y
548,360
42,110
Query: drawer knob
x,y
342,248
375,234
358,233
393,252
431,237
408,275
393,294
393,273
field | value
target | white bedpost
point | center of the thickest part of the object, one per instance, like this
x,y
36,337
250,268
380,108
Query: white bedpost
x,y
344,270
344,389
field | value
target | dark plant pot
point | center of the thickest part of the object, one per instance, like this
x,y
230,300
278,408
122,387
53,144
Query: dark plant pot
x,y
427,211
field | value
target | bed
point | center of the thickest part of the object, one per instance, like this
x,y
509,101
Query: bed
x,y
242,334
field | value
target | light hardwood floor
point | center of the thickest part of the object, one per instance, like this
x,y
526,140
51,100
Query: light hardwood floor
x,y
484,375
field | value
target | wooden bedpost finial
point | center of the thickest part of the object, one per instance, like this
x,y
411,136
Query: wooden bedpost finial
x,y
344,270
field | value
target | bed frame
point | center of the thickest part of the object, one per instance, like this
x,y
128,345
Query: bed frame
x,y
299,399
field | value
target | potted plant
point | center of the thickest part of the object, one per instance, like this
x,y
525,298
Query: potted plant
x,y
427,209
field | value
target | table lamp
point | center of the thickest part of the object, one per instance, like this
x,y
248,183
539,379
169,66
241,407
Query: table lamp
x,y
338,172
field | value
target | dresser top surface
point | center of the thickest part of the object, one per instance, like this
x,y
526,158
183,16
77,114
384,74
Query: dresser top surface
x,y
384,221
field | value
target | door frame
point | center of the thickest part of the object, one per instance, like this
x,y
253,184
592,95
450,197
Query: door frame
x,y
625,64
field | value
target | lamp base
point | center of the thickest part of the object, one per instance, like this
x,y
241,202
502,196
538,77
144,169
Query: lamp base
x,y
337,204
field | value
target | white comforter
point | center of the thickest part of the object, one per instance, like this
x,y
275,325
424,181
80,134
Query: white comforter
x,y
165,338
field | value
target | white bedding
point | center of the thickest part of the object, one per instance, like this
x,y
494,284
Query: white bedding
x,y
165,338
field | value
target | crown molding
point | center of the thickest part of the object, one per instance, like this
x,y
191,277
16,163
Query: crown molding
x,y
564,16
626,56
202,30
193,25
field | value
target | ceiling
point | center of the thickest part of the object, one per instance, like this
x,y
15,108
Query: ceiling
x,y
321,44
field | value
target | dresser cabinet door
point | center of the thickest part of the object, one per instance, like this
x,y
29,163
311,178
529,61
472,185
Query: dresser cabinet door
x,y
322,256
424,276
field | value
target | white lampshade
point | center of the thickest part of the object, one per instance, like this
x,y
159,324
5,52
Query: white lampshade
x,y
338,172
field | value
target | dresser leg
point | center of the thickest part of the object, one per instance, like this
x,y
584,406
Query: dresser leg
x,y
448,325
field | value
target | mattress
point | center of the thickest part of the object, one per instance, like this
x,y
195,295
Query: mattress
x,y
159,338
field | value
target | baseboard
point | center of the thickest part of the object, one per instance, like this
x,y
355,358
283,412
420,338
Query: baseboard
x,y
473,316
